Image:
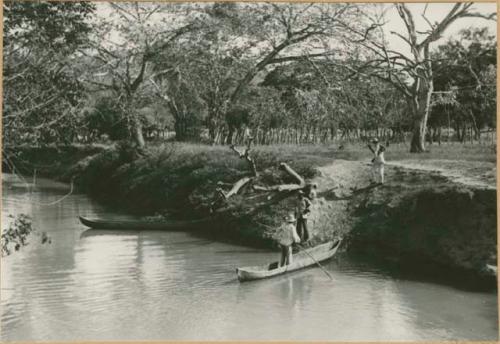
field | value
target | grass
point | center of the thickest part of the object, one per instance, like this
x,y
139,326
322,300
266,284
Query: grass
x,y
182,178
49,161
185,175
191,171
323,154
453,151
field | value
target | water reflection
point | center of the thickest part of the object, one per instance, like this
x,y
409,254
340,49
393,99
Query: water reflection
x,y
153,285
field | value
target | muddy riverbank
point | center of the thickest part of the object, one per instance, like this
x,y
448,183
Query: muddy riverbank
x,y
418,214
437,211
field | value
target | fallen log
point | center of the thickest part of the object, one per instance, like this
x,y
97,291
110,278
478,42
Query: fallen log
x,y
220,184
281,191
237,186
281,187
292,173
301,183
274,199
222,196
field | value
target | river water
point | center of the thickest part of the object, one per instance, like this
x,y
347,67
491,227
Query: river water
x,y
145,285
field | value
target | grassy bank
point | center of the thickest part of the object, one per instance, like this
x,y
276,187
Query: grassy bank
x,y
420,214
49,161
447,151
54,162
180,178
181,181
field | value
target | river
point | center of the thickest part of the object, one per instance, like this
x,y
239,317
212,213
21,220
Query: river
x,y
145,285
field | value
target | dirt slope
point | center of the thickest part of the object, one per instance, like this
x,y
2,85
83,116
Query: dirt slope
x,y
435,210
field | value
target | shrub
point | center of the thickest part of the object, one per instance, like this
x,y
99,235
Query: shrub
x,y
16,236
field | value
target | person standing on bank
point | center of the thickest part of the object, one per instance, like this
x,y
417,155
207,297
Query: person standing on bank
x,y
378,161
302,211
286,238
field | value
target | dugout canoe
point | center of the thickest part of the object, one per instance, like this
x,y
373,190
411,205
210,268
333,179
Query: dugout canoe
x,y
300,260
142,224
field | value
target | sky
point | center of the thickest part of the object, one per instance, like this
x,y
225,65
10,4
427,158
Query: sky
x,y
435,12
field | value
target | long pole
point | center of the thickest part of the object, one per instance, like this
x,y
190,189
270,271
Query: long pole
x,y
321,267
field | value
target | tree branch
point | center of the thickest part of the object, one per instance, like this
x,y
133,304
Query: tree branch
x,y
246,155
298,57
292,173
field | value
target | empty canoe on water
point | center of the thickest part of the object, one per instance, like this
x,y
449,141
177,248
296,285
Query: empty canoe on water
x,y
300,260
142,224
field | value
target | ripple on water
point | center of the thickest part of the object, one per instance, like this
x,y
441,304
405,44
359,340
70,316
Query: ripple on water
x,y
177,286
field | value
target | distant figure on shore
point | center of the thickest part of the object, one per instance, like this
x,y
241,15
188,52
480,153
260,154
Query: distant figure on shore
x,y
378,161
302,211
287,236
247,136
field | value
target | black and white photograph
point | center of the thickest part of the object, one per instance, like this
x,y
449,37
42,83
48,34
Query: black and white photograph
x,y
249,171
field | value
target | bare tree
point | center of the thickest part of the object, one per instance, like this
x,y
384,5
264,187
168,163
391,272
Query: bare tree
x,y
412,75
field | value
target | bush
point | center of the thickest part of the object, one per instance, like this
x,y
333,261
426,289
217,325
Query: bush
x,y
179,177
16,236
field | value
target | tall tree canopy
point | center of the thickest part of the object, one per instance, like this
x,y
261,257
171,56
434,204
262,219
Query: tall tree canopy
x,y
465,82
42,96
242,40
289,72
122,51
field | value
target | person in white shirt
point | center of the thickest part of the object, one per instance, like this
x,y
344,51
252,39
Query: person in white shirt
x,y
286,237
378,162
247,136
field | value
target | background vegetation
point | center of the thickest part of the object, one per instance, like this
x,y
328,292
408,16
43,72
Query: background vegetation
x,y
134,102
290,73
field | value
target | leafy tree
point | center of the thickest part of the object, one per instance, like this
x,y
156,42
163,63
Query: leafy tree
x,y
42,97
465,75
268,34
16,235
105,118
320,97
124,48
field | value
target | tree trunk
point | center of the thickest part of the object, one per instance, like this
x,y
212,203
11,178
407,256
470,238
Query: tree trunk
x,y
139,137
475,128
212,126
420,105
418,136
464,132
180,129
230,134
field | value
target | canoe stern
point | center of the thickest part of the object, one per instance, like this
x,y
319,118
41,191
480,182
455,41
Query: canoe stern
x,y
242,275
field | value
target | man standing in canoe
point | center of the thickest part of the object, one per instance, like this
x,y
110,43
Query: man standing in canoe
x,y
286,237
302,211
